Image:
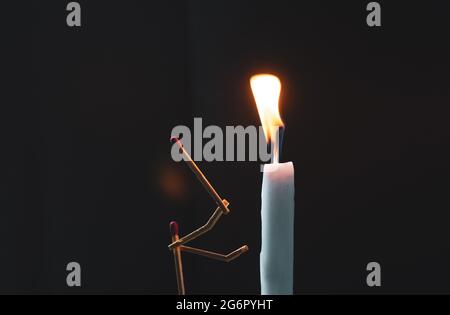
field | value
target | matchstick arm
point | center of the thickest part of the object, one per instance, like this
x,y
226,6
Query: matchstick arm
x,y
202,230
201,177
226,258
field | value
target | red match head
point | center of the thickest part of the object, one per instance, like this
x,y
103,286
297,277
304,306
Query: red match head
x,y
174,228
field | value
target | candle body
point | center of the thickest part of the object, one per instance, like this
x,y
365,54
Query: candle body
x,y
277,239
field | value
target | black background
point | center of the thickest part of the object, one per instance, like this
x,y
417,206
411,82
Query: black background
x,y
88,177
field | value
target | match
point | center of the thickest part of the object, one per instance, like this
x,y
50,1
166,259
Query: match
x,y
174,230
202,230
201,177
226,258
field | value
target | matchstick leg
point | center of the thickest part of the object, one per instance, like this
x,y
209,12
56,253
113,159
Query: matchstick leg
x,y
174,230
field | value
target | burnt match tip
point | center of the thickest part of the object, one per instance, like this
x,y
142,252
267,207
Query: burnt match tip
x,y
174,139
174,228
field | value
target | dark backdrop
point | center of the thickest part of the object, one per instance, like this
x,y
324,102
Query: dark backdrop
x,y
87,174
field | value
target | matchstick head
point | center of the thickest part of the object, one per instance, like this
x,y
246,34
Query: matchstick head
x,y
174,230
178,142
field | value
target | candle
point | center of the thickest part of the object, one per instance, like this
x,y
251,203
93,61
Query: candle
x,y
277,196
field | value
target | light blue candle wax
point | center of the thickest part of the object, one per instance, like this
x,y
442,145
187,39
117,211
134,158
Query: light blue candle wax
x,y
277,242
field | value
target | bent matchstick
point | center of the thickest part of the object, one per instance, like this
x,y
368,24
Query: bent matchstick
x,y
226,258
202,230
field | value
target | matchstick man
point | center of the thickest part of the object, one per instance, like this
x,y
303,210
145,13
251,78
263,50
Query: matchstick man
x,y
177,245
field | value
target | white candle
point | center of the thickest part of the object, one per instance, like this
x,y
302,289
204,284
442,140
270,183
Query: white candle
x,y
277,196
277,231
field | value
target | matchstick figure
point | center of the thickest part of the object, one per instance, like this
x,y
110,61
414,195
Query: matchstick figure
x,y
177,245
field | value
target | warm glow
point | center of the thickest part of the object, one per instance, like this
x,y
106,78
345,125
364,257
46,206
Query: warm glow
x,y
266,89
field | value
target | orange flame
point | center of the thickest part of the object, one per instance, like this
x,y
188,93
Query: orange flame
x,y
266,89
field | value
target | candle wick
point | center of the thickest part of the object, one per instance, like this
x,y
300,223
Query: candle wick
x,y
277,141
276,156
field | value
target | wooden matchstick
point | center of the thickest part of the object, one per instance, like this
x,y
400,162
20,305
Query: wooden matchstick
x,y
226,258
177,258
201,177
202,230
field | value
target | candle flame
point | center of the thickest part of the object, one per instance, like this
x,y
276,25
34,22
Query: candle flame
x,y
266,90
